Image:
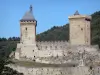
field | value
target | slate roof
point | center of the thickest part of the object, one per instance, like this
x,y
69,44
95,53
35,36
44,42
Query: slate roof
x,y
76,13
28,16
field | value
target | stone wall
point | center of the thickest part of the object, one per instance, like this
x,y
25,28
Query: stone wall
x,y
44,52
41,49
52,45
52,70
27,32
96,70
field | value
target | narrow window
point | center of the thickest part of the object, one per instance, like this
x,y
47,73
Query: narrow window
x,y
26,28
55,46
73,65
82,29
46,47
34,60
98,70
90,67
36,45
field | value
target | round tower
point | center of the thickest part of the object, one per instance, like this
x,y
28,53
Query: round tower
x,y
28,28
79,29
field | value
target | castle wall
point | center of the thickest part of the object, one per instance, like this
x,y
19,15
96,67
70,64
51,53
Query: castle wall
x,y
52,70
52,45
48,52
42,49
96,70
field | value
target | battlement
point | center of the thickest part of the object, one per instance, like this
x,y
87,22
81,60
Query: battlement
x,y
52,42
27,21
52,45
79,16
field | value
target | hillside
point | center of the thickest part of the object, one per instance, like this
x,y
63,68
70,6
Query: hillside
x,y
95,28
54,34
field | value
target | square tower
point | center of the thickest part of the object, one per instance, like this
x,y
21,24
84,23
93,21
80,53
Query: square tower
x,y
79,29
27,36
28,28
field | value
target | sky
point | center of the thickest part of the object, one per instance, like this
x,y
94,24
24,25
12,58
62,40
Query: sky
x,y
48,13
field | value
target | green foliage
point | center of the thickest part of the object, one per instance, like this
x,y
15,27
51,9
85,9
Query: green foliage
x,y
3,39
54,34
7,70
13,39
2,63
6,47
95,28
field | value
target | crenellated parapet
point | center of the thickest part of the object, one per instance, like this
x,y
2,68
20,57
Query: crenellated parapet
x,y
52,45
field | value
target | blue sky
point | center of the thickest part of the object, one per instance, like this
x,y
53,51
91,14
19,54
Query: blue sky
x,y
48,13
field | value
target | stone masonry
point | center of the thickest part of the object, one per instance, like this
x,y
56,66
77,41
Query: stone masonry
x,y
76,57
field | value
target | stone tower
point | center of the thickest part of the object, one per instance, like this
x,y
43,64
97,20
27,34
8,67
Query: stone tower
x,y
28,28
27,36
79,29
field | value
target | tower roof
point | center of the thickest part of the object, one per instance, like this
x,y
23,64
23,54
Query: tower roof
x,y
28,15
76,13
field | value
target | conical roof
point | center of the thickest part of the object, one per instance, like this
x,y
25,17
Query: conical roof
x,y
28,15
76,13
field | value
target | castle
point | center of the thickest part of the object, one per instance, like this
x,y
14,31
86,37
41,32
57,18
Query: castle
x,y
75,53
30,48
